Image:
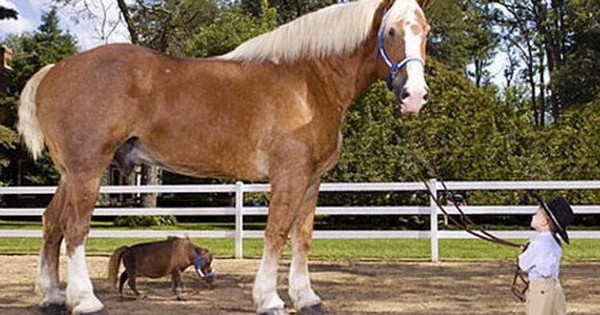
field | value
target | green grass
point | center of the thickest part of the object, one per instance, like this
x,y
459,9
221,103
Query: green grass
x,y
411,250
415,250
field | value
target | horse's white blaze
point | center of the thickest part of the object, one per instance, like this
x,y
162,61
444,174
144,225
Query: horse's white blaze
x,y
415,85
80,293
300,290
265,285
47,283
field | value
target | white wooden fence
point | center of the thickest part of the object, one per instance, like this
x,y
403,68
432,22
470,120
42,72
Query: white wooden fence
x,y
239,211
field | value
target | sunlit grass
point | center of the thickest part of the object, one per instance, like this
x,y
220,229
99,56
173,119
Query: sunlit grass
x,y
398,249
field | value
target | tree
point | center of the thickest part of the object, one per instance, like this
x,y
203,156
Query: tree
x,y
232,27
8,13
462,37
99,12
482,41
286,10
49,44
168,26
577,82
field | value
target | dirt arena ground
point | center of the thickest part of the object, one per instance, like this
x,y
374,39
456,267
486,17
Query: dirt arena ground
x,y
346,287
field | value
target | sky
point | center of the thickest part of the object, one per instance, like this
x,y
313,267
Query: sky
x,y
87,32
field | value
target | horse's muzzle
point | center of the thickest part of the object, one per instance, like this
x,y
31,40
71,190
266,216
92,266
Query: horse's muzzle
x,y
209,277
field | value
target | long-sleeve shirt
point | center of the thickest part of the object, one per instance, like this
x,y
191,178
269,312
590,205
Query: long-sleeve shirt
x,y
542,257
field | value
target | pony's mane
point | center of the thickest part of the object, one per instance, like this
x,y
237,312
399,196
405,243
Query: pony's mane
x,y
336,29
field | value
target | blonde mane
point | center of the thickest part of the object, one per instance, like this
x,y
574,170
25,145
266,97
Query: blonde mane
x,y
336,29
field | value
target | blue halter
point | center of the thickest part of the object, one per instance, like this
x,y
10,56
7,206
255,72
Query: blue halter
x,y
211,276
199,261
394,67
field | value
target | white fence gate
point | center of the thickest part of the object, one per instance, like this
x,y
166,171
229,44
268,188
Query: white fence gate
x,y
240,211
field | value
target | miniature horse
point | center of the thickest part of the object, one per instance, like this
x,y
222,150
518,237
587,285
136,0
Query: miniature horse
x,y
272,109
159,259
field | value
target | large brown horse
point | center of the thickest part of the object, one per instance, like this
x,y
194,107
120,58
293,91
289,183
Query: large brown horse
x,y
272,109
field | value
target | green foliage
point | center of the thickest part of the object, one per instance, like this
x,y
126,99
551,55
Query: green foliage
x,y
461,34
232,27
286,10
155,220
577,82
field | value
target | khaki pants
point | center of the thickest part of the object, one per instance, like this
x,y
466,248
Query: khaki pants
x,y
545,297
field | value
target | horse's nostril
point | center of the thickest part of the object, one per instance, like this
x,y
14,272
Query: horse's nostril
x,y
404,94
426,98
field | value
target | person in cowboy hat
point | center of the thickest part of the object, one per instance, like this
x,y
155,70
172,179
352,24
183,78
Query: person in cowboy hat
x,y
541,259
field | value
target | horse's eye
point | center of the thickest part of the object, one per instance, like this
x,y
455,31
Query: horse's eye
x,y
392,32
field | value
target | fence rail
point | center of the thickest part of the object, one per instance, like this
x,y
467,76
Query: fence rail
x,y
239,211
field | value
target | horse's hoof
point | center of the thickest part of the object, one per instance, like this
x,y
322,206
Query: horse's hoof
x,y
54,309
317,309
275,311
180,298
100,312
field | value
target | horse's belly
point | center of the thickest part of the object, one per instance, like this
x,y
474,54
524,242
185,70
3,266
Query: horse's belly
x,y
197,161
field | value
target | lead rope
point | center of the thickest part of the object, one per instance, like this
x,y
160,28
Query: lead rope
x,y
466,221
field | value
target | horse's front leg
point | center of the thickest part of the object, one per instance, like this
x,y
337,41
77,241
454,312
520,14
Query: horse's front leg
x,y
300,291
82,194
288,188
47,280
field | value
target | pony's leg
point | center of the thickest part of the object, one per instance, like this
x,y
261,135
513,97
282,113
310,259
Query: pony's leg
x,y
177,284
82,191
132,283
122,280
287,191
304,298
47,280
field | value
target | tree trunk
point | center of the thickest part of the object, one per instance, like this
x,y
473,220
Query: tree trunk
x,y
150,176
130,27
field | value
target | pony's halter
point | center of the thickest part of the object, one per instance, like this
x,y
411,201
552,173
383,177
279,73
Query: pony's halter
x,y
394,67
211,276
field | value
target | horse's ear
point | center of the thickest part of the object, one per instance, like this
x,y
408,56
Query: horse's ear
x,y
425,4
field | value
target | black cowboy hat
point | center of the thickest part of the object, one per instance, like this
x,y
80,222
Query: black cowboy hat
x,y
560,212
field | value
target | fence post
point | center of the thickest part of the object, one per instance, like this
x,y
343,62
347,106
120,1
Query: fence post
x,y
239,220
435,255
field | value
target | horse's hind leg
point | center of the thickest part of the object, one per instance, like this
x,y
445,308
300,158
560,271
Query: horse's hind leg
x,y
304,298
82,192
47,280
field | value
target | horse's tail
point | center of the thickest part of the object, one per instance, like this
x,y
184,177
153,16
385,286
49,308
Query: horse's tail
x,y
113,265
28,125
